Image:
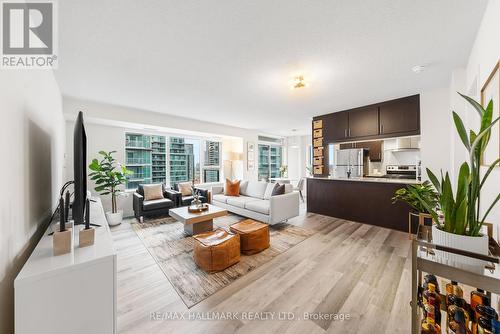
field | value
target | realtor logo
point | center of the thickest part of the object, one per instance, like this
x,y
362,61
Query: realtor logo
x,y
28,35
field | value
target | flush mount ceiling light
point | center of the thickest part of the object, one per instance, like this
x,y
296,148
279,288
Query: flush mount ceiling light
x,y
418,69
299,82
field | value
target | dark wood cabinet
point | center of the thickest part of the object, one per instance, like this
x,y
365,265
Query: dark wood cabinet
x,y
363,122
336,126
401,116
342,199
346,146
374,147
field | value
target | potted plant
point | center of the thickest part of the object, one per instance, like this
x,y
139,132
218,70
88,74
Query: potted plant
x,y
460,222
415,195
108,175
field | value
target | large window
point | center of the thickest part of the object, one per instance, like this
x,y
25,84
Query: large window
x,y
270,160
184,160
170,160
212,161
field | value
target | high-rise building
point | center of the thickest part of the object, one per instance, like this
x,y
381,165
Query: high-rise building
x,y
181,158
138,159
159,159
211,165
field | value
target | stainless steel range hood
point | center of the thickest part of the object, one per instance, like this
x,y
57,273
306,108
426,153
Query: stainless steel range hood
x,y
404,144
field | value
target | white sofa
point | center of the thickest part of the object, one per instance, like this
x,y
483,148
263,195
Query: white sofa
x,y
255,201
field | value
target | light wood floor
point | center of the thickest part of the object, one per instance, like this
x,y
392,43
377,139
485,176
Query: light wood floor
x,y
347,268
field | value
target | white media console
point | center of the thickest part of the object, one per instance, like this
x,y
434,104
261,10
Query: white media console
x,y
70,293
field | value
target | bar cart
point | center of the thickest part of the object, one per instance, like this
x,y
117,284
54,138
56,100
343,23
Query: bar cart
x,y
425,258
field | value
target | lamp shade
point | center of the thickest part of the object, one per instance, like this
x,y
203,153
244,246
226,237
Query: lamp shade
x,y
235,156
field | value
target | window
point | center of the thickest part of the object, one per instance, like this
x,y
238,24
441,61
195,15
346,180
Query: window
x,y
211,163
171,159
138,159
184,160
270,160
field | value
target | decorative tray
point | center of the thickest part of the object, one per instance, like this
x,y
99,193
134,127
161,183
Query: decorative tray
x,y
197,209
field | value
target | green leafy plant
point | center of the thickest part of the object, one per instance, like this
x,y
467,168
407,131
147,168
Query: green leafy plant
x,y
416,195
108,175
461,211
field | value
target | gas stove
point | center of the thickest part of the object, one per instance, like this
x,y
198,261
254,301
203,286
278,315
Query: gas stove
x,y
400,172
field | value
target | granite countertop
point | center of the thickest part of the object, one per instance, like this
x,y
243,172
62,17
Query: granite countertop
x,y
369,179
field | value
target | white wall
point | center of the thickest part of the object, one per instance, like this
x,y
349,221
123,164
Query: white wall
x,y
32,150
296,155
484,55
435,126
106,126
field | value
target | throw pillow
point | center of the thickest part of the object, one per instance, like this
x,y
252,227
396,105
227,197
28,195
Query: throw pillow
x,y
279,189
232,188
153,191
186,188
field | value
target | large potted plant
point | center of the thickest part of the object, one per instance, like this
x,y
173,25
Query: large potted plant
x,y
416,195
460,220
108,176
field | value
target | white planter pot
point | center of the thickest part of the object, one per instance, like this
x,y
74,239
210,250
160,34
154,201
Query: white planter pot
x,y
472,244
114,218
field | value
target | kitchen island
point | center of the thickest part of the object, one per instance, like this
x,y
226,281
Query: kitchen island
x,y
365,200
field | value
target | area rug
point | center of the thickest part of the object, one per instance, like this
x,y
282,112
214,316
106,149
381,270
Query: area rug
x,y
173,251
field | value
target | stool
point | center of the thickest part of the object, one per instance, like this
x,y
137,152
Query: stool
x,y
254,235
216,250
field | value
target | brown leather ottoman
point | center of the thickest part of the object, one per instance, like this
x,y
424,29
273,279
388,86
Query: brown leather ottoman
x,y
254,235
217,250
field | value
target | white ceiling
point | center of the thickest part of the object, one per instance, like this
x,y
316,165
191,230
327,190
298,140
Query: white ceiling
x,y
232,62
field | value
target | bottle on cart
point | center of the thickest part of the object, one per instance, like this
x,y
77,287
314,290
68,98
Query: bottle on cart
x,y
484,326
457,304
429,278
478,297
453,289
484,321
429,326
458,325
432,303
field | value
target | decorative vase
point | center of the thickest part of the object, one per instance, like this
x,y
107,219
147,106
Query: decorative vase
x,y
114,218
463,242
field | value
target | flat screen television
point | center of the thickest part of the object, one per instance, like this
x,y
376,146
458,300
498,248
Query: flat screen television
x,y
80,169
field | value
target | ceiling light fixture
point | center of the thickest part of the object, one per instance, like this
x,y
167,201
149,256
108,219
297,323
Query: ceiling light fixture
x,y
418,69
299,82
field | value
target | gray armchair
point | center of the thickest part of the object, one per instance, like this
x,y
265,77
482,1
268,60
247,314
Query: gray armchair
x,y
155,207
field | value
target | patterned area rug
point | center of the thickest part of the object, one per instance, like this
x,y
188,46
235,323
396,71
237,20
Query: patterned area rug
x,y
173,251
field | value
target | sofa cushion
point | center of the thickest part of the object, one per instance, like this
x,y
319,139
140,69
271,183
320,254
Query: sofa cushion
x,y
243,188
256,189
186,188
232,188
240,201
288,188
279,189
157,204
153,191
220,198
261,206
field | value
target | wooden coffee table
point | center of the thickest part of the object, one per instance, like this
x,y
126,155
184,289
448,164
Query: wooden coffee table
x,y
195,223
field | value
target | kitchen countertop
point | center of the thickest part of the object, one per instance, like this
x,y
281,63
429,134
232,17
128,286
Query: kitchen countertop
x,y
368,179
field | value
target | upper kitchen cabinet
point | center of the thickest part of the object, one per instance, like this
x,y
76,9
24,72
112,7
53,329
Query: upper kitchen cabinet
x,y
400,117
363,122
336,126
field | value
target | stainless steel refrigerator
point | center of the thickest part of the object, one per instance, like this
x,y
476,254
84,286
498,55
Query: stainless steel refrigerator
x,y
350,163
